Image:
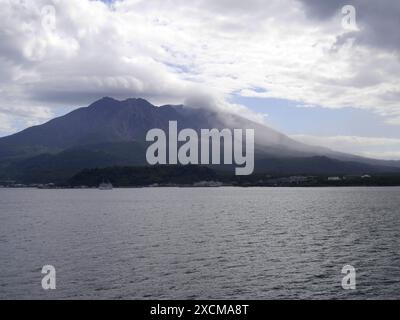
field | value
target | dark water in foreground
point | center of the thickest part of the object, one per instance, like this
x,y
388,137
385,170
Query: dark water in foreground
x,y
211,243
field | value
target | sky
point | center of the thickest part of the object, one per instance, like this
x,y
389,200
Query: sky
x,y
320,71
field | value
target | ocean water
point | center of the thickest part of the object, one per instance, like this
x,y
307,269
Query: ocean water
x,y
200,243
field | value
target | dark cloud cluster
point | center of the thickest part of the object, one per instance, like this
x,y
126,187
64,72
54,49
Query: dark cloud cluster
x,y
378,21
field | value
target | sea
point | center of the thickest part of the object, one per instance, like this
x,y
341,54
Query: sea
x,y
200,243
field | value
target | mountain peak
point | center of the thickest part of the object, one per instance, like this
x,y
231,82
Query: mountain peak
x,y
107,99
138,102
107,102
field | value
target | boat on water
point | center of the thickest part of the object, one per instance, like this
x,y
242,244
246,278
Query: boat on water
x,y
105,186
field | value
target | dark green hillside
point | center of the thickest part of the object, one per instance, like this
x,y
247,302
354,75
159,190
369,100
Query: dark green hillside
x,y
143,176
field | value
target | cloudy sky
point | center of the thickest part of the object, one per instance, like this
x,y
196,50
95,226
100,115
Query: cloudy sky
x,y
304,67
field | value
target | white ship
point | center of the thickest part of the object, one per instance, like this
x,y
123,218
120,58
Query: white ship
x,y
105,186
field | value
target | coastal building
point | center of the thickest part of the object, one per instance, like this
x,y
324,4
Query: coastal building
x,y
298,179
207,184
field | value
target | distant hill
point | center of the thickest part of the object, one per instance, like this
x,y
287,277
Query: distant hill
x,y
200,176
112,133
318,165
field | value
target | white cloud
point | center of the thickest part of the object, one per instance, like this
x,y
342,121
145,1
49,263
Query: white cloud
x,y
384,155
170,51
375,147
5,123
